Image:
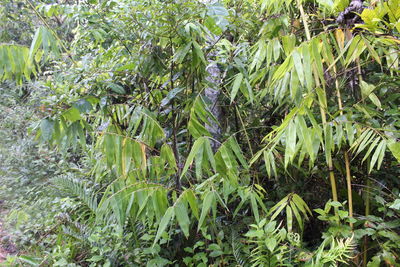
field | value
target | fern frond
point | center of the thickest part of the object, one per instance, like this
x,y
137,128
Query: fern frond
x,y
78,231
237,250
340,251
79,190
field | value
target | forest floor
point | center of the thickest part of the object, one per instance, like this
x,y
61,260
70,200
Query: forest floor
x,y
6,247
3,252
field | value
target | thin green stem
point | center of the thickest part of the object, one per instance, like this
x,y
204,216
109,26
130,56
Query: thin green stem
x,y
367,212
322,111
346,155
51,30
349,190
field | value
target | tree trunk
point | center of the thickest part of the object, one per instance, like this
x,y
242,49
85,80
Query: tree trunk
x,y
212,91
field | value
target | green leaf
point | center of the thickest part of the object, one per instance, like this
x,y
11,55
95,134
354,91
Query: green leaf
x,y
199,117
350,132
30,260
290,142
169,214
116,88
191,199
168,156
199,53
308,66
375,262
352,50
366,88
47,129
254,206
83,105
288,42
378,155
109,145
129,66
395,205
278,207
72,114
196,147
208,200
394,147
298,64
363,140
297,215
382,154
375,100
210,154
219,13
284,68
226,157
171,94
268,158
212,26
236,85
259,56
317,59
182,217
301,204
36,42
372,51
238,153
289,218
322,98
199,163
371,147
271,243
182,52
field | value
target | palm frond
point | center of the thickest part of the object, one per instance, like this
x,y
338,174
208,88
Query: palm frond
x,y
79,190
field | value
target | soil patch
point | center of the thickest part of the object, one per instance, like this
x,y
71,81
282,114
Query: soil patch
x,y
6,246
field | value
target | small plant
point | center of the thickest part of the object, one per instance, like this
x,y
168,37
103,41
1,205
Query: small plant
x,y
338,219
271,245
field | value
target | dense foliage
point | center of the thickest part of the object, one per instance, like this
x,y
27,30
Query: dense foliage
x,y
201,133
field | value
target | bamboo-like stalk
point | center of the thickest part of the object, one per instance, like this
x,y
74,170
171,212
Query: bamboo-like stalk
x,y
323,113
367,212
332,180
367,192
346,155
348,181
